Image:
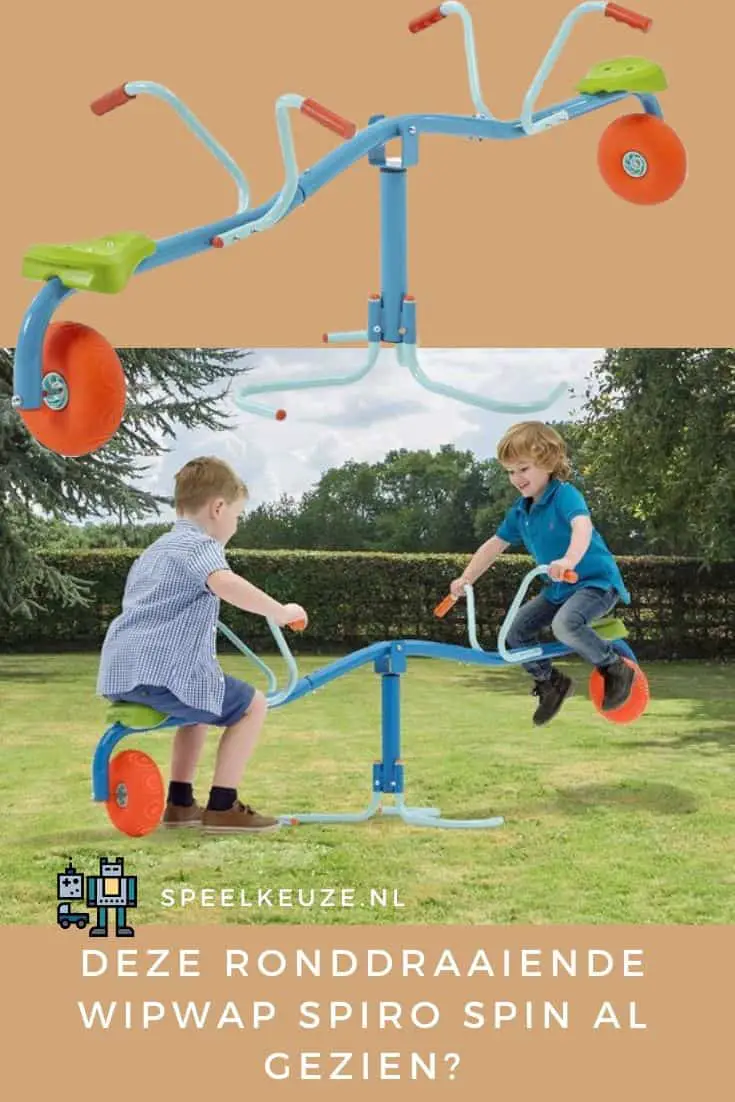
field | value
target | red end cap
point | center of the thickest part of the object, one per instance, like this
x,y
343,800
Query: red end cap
x,y
280,415
631,18
332,121
428,19
118,97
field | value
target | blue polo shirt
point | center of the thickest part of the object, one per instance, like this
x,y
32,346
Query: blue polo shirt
x,y
544,528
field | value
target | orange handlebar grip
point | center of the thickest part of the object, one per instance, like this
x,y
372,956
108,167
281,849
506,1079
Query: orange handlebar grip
x,y
321,114
632,18
118,97
444,606
428,19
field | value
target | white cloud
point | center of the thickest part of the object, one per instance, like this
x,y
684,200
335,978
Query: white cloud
x,y
363,420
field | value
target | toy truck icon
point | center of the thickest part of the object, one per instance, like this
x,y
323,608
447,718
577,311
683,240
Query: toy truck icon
x,y
65,917
70,889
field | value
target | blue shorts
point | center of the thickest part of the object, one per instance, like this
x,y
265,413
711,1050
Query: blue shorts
x,y
238,698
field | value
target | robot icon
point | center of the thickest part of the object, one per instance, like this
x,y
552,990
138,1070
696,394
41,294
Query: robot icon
x,y
112,890
70,888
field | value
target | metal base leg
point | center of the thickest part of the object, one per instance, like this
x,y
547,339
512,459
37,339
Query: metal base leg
x,y
414,816
431,817
371,810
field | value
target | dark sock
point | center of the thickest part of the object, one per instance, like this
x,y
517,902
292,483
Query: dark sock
x,y
221,799
180,794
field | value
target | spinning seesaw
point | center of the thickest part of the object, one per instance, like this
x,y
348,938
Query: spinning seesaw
x,y
130,783
69,384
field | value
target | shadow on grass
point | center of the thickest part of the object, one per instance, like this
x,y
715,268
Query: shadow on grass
x,y
665,799
720,740
39,675
103,839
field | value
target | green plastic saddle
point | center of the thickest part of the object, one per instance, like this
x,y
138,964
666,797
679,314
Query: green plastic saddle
x,y
134,715
104,264
610,628
624,74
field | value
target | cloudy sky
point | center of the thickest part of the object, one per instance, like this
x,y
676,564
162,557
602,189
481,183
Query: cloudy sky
x,y
364,420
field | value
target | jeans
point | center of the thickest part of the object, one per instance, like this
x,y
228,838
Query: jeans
x,y
569,623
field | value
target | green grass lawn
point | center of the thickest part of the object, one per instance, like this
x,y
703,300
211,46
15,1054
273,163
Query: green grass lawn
x,y
603,823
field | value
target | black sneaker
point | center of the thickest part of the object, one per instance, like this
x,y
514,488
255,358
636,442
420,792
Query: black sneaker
x,y
618,678
552,694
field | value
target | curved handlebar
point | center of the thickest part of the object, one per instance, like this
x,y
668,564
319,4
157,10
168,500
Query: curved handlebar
x,y
528,122
133,89
509,656
274,697
452,7
282,204
118,97
632,18
309,107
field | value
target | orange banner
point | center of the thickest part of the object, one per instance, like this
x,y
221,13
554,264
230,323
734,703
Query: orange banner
x,y
568,1013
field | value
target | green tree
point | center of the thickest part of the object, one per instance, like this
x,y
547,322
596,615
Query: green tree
x,y
659,437
429,499
340,513
168,389
498,495
271,525
624,532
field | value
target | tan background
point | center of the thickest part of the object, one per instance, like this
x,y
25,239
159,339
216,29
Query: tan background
x,y
511,243
685,1053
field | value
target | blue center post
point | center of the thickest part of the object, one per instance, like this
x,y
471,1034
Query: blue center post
x,y
388,773
393,234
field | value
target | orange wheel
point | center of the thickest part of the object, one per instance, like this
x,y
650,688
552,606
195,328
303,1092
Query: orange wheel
x,y
136,800
634,706
642,159
84,391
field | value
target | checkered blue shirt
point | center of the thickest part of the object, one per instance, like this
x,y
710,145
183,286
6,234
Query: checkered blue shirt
x,y
166,634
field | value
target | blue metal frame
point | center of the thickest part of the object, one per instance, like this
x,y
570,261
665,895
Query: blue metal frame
x,y
27,370
389,661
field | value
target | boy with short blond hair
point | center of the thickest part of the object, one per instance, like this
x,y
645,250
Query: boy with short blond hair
x,y
161,650
552,520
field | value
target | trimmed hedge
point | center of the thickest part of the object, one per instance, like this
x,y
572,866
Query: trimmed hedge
x,y
680,608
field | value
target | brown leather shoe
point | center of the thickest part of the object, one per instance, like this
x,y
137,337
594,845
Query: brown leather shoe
x,y
239,819
176,817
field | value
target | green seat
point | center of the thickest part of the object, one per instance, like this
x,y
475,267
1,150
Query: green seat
x,y
134,715
624,74
104,264
610,628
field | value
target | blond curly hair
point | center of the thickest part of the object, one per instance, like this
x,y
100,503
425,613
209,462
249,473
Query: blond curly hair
x,y
539,442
